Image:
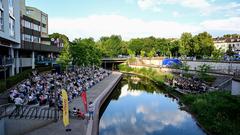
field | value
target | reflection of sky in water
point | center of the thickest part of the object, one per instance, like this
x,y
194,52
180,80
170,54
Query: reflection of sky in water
x,y
140,113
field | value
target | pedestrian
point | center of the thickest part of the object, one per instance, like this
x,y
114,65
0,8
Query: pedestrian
x,y
91,110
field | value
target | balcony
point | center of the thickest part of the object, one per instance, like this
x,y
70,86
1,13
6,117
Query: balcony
x,y
40,47
6,61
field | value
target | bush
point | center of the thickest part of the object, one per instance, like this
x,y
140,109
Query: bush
x,y
217,111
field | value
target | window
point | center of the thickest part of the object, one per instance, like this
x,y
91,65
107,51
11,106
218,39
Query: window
x,y
36,39
36,27
26,37
1,20
27,24
44,18
10,3
11,27
1,4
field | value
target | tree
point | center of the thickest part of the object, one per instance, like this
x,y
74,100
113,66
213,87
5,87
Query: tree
x,y
65,55
142,53
132,57
136,45
230,51
111,46
85,53
185,44
203,45
217,54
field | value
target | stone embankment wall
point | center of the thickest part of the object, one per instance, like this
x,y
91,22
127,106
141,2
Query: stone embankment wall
x,y
232,68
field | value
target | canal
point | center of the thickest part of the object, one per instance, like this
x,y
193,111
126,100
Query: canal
x,y
138,107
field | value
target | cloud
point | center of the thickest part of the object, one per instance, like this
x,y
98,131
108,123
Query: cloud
x,y
205,7
105,25
176,14
230,24
152,5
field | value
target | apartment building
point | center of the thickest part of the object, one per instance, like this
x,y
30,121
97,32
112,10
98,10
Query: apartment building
x,y
24,41
225,43
9,36
36,47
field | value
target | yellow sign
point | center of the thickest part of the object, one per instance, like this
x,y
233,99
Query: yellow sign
x,y
65,108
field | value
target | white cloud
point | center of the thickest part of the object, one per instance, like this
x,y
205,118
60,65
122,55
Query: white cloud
x,y
205,7
149,5
230,24
105,25
176,14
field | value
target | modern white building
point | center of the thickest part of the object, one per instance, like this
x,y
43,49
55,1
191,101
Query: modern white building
x,y
9,36
225,43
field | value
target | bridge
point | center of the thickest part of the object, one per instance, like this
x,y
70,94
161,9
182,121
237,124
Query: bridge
x,y
111,63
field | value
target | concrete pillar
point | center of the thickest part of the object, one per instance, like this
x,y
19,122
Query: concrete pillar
x,y
17,61
12,68
33,60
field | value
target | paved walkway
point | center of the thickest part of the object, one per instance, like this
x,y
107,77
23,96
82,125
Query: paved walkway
x,y
78,126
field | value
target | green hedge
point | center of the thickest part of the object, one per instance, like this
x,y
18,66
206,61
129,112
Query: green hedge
x,y
13,80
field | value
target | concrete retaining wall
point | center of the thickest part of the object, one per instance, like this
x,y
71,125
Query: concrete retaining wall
x,y
93,125
218,67
235,87
20,126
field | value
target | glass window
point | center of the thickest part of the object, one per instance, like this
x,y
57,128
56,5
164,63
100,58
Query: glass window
x,y
27,24
10,3
1,20
27,38
11,27
36,39
36,27
1,4
44,18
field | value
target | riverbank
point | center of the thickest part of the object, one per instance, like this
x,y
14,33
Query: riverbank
x,y
217,112
82,126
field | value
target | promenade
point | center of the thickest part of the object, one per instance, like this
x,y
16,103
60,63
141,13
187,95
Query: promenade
x,y
77,126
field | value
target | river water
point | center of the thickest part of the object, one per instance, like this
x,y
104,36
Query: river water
x,y
138,107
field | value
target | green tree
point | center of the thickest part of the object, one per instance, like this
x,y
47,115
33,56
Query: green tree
x,y
230,51
185,44
142,53
85,53
217,54
111,46
65,55
203,45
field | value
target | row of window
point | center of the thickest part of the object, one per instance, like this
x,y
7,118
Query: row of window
x,y
232,45
11,19
1,20
30,25
30,38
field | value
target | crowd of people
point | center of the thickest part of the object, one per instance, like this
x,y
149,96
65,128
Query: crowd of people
x,y
191,85
45,88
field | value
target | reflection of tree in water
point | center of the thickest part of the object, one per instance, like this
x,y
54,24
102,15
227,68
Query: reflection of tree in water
x,y
144,84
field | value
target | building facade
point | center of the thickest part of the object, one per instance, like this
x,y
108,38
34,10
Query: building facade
x,y
24,41
9,36
36,47
225,43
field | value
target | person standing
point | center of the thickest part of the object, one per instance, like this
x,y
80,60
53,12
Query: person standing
x,y
91,110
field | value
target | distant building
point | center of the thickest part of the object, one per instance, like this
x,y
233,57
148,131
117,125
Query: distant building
x,y
224,44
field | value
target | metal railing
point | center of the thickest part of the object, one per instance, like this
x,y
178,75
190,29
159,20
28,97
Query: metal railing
x,y
4,61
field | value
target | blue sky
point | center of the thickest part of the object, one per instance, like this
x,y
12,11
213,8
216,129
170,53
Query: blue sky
x,y
140,18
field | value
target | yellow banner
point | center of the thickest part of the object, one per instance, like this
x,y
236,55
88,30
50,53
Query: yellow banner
x,y
65,108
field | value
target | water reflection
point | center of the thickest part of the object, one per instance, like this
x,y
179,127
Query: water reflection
x,y
142,109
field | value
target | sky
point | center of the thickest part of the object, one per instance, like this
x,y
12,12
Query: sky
x,y
140,18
